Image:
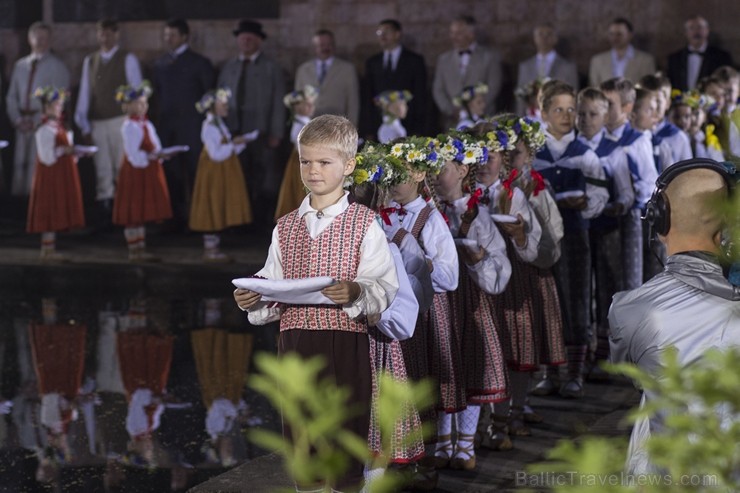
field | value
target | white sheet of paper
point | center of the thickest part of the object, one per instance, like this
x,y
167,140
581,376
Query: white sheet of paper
x,y
294,291
80,150
504,218
250,136
174,149
4,144
569,193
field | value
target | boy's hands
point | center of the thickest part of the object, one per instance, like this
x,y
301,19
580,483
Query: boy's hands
x,y
246,299
342,292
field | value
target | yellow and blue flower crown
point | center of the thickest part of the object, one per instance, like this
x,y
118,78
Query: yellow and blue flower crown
x,y
127,93
693,99
461,147
376,164
387,97
308,93
530,90
469,92
222,94
50,94
418,153
523,128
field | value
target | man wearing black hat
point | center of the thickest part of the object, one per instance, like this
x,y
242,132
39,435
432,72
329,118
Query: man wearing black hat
x,y
257,83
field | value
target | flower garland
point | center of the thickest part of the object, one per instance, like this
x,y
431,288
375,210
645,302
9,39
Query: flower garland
x,y
127,93
461,147
50,94
419,153
385,98
468,93
530,90
376,164
503,138
222,94
308,93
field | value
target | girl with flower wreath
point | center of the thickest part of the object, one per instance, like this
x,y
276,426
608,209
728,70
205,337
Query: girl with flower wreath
x,y
394,106
142,195
220,196
55,203
301,106
704,140
472,105
515,308
484,271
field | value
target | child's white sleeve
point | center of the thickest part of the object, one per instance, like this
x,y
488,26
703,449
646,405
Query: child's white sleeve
x,y
265,312
440,249
132,137
213,141
596,195
376,275
623,182
532,229
399,320
415,266
153,136
46,144
492,273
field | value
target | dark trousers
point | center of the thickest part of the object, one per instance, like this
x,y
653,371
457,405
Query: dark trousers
x,y
180,169
573,272
263,173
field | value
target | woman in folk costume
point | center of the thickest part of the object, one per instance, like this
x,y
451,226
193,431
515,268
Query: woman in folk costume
x,y
222,361
515,308
394,106
142,195
397,330
292,192
220,197
484,271
472,105
144,356
519,163
59,359
56,196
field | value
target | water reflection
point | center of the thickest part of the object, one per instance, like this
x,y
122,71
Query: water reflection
x,y
144,394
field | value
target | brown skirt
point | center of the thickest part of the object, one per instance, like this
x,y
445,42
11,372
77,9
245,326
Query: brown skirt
x,y
292,191
145,360
142,195
221,360
58,358
56,197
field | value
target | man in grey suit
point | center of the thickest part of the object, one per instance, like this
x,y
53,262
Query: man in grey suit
x,y
546,63
39,69
257,84
336,79
466,64
623,59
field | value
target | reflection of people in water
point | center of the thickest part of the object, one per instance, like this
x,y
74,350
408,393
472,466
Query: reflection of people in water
x,y
222,360
144,356
58,358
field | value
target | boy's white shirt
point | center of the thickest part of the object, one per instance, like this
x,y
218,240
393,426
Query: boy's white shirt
x,y
376,273
436,239
641,152
679,144
616,166
519,205
46,147
492,273
212,134
133,135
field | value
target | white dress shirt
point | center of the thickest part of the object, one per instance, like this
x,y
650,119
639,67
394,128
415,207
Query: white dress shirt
x,y
694,61
641,153
544,63
46,147
212,133
133,135
133,78
376,273
619,65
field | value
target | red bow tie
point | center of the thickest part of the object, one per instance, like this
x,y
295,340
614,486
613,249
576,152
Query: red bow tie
x,y
386,212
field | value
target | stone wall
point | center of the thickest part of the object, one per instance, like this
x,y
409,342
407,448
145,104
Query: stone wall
x,y
505,24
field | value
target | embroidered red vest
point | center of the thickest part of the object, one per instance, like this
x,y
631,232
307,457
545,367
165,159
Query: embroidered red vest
x,y
335,253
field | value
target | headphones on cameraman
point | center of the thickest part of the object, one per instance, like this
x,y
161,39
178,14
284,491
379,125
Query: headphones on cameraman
x,y
658,209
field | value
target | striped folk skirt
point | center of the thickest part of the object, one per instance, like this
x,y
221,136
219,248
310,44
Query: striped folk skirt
x,y
553,344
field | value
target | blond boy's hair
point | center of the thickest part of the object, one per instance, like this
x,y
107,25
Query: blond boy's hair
x,y
594,95
332,131
551,89
624,87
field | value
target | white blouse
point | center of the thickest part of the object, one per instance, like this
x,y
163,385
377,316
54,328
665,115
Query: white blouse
x,y
133,135
398,321
491,273
46,146
416,267
298,123
546,211
519,205
435,240
376,273
213,132
391,130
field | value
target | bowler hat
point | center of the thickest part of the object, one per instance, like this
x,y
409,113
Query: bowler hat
x,y
249,26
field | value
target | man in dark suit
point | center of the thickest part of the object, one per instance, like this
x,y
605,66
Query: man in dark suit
x,y
395,68
698,59
181,77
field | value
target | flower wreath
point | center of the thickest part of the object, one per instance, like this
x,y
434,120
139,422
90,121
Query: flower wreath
x,y
385,98
528,131
222,94
693,99
127,93
376,164
461,147
50,94
308,93
419,153
468,93
530,90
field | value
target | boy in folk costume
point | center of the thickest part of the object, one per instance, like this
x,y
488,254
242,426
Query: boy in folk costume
x,y
361,263
301,104
395,107
484,271
220,198
56,196
471,103
574,172
515,308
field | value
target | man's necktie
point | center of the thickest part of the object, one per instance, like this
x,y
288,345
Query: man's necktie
x,y
322,71
388,62
29,87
